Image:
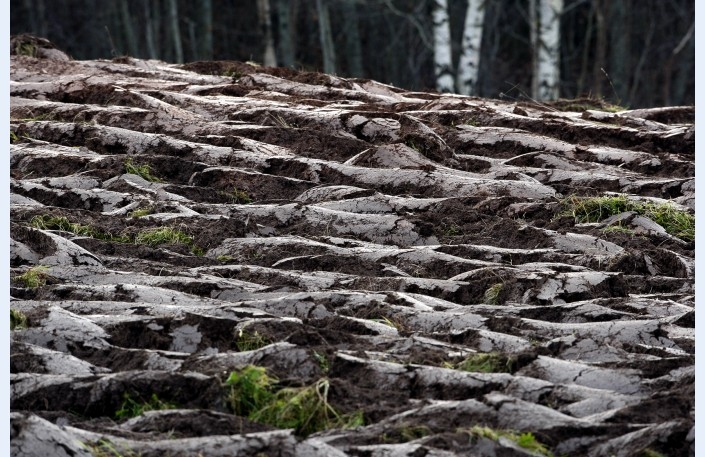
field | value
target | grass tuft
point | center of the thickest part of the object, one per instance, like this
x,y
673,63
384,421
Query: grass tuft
x,y
18,320
36,276
26,49
305,409
133,408
255,394
618,228
247,341
144,170
322,360
492,294
140,212
62,223
525,440
152,237
490,362
251,388
413,432
106,448
650,453
163,235
240,196
676,222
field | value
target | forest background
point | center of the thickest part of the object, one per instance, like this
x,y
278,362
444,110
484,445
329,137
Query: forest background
x,y
632,53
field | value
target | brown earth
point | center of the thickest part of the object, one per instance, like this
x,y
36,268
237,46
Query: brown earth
x,y
366,235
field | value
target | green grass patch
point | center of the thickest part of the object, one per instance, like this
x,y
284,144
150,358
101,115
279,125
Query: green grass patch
x,y
251,388
650,453
36,276
617,228
143,170
62,223
492,294
453,230
133,408
586,103
13,137
106,448
140,212
240,196
525,440
580,107
676,222
322,360
26,49
152,237
256,395
168,235
163,235
225,258
18,320
489,362
413,432
247,341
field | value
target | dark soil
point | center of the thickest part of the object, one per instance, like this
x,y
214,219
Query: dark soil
x,y
347,230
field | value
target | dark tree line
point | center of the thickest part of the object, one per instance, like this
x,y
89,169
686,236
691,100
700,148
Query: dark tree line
x,y
631,52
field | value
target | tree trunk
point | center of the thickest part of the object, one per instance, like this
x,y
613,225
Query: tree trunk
x,y
149,31
285,45
157,27
205,50
326,37
585,59
620,53
41,13
192,40
130,37
600,48
535,45
469,64
685,66
352,39
176,31
442,55
265,24
547,72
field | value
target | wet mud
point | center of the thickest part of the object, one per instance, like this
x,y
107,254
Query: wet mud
x,y
412,249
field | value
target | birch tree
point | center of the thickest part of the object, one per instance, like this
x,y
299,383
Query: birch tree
x,y
545,26
442,55
469,64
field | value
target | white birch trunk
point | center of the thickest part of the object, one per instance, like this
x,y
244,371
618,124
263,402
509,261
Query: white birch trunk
x,y
443,63
548,59
469,64
270,59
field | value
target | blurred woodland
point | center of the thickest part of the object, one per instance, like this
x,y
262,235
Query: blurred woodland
x,y
633,53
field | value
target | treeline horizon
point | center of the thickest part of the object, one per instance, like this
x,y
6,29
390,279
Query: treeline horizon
x,y
633,53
